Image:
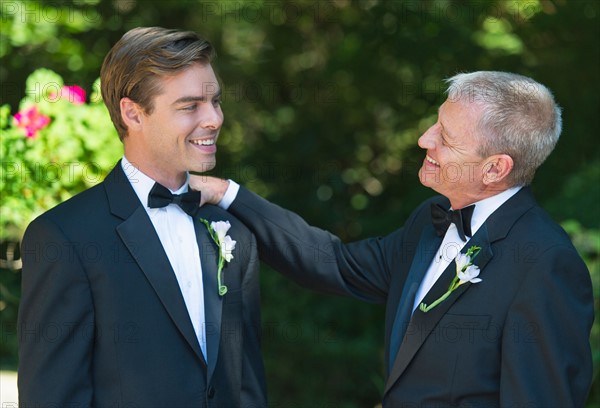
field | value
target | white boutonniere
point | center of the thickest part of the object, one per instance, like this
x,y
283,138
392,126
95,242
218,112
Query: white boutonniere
x,y
218,233
465,272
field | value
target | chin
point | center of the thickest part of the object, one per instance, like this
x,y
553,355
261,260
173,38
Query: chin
x,y
430,185
207,164
424,180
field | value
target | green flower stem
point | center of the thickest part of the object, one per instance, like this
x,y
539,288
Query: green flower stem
x,y
455,283
473,252
215,238
222,288
424,308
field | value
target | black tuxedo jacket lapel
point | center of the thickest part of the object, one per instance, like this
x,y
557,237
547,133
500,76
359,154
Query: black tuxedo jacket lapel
x,y
495,228
213,303
422,324
140,238
426,249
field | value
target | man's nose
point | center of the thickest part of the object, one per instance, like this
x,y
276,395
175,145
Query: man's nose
x,y
427,140
212,117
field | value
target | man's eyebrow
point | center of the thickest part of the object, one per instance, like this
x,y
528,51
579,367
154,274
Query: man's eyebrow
x,y
202,98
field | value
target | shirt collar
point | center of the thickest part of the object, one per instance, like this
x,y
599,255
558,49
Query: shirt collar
x,y
485,208
142,184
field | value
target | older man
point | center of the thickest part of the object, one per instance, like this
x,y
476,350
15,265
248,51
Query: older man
x,y
488,303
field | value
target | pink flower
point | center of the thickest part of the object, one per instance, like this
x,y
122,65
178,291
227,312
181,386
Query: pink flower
x,y
75,94
31,120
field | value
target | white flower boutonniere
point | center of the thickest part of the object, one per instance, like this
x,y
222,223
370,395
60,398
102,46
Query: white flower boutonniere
x,y
465,272
218,233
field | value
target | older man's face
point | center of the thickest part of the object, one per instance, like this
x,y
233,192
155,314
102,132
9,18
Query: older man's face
x,y
451,166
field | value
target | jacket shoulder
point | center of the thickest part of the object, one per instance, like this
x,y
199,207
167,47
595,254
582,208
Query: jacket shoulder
x,y
537,223
79,204
75,212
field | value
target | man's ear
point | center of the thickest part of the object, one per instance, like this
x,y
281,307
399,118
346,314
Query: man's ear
x,y
497,168
131,113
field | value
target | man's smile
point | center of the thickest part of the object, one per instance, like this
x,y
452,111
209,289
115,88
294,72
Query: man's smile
x,y
203,142
430,160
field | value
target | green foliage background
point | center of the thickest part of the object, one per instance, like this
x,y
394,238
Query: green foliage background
x,y
324,102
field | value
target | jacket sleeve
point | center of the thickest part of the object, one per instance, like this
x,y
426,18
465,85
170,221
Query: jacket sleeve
x,y
315,258
56,321
546,357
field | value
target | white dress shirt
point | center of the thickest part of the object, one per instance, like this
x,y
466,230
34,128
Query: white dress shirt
x,y
175,230
452,244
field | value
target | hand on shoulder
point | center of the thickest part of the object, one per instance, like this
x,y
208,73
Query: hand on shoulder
x,y
212,188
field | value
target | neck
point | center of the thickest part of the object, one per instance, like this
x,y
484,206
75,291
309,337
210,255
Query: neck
x,y
461,202
170,179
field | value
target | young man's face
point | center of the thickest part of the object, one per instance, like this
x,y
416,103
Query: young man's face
x,y
181,133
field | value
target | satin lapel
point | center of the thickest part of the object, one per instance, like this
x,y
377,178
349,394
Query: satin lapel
x,y
121,198
422,324
426,249
213,303
140,238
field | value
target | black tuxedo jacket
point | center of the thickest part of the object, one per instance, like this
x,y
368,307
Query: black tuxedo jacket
x,y
103,323
519,338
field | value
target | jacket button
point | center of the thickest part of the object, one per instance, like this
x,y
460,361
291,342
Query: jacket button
x,y
211,392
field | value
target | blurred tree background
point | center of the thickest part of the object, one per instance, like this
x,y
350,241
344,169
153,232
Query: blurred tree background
x,y
324,102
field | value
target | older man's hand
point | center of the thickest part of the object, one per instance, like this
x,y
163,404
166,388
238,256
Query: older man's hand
x,y
212,188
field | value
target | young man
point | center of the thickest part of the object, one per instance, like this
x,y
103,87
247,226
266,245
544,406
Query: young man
x,y
510,330
123,302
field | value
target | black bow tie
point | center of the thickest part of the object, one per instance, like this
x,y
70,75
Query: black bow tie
x,y
160,197
442,219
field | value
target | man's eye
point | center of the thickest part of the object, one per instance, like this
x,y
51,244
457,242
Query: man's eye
x,y
217,101
444,139
189,108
